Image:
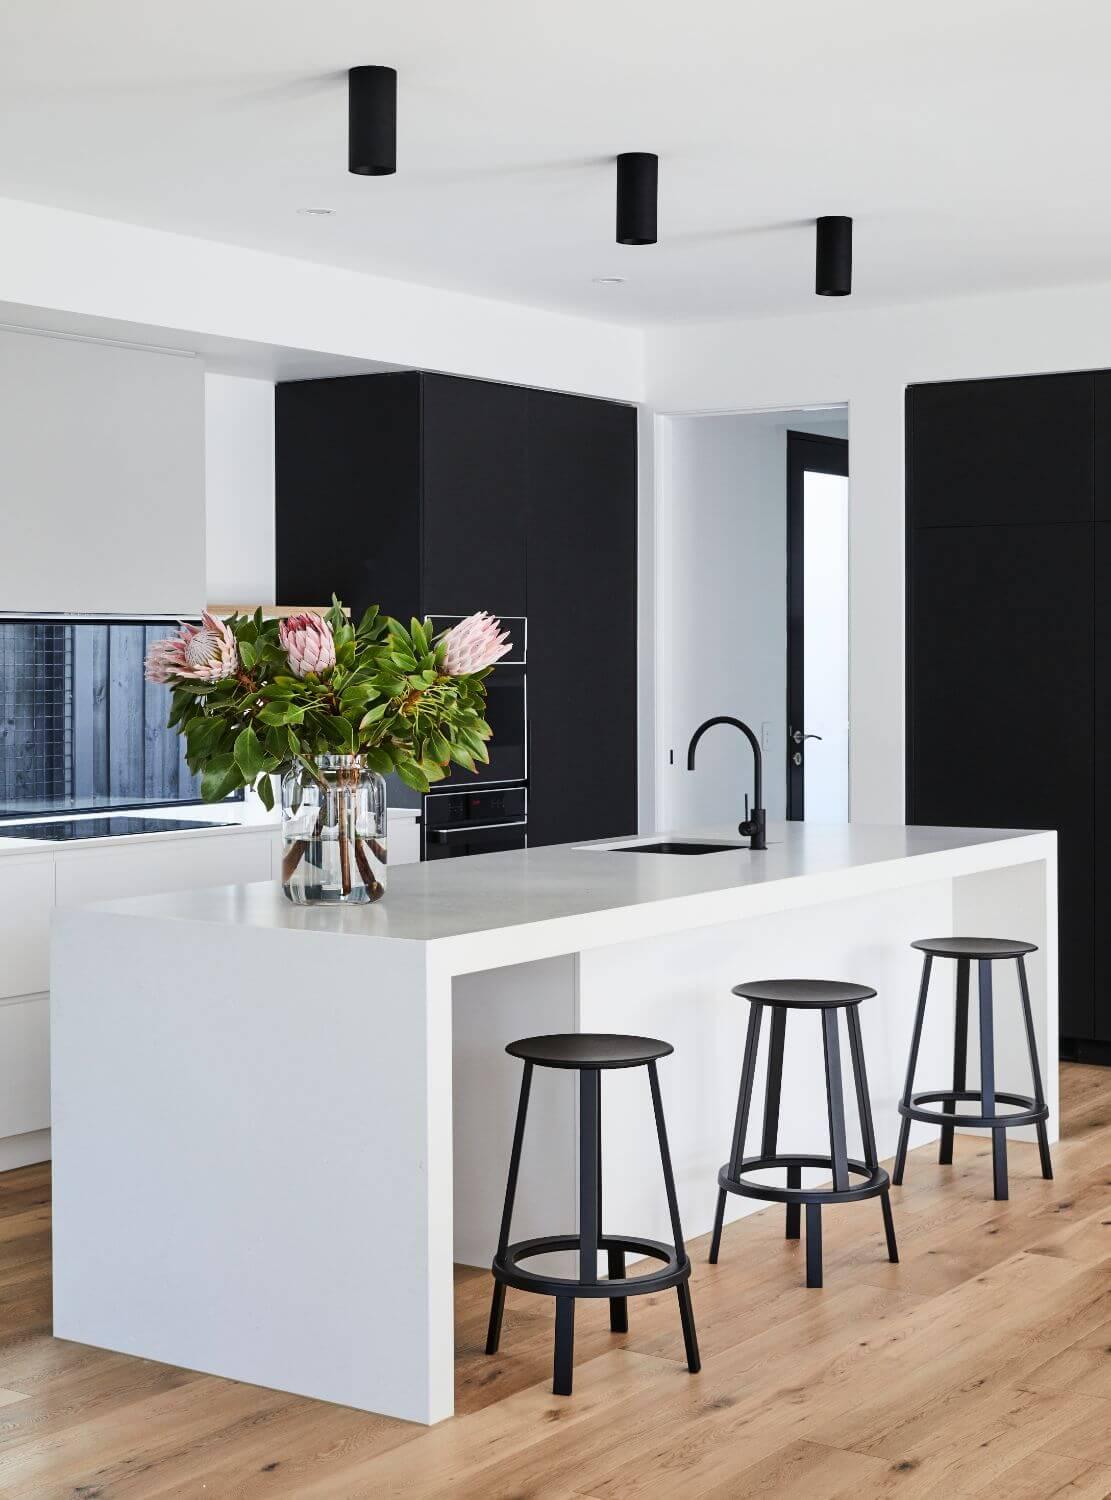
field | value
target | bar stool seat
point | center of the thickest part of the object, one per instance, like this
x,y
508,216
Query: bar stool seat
x,y
973,947
591,1054
828,996
804,994
589,1050
1025,1109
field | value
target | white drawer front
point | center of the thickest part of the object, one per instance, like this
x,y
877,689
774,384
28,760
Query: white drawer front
x,y
24,1065
26,896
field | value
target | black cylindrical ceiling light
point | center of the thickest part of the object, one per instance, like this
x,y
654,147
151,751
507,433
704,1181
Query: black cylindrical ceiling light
x,y
637,176
372,121
833,265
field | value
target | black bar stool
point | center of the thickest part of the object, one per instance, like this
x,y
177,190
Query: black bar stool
x,y
828,996
590,1055
1027,1110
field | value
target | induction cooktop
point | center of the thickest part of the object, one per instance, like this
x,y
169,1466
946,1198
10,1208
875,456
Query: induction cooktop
x,y
100,828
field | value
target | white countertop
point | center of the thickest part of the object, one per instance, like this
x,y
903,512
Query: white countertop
x,y
505,908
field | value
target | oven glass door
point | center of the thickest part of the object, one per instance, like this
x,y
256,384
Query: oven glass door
x,y
453,843
505,714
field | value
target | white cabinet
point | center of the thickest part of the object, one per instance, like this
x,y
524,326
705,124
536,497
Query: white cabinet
x,y
31,885
404,839
26,897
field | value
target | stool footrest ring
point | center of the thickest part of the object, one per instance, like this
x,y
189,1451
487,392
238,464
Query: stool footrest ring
x,y
1027,1111
509,1272
876,1181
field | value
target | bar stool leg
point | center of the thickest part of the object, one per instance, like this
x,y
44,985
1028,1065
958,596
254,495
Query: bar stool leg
x,y
987,1081
772,1093
835,1101
813,1244
794,1210
564,1346
912,1064
615,1259
960,1060
867,1129
1039,1092
838,1148
690,1339
740,1127
493,1335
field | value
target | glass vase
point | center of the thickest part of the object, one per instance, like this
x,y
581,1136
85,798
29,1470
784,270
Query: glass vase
x,y
333,833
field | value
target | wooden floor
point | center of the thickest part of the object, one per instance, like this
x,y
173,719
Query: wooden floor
x,y
979,1366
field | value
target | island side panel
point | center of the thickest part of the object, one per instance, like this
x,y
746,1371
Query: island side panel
x,y
252,1169
678,988
1016,902
492,1008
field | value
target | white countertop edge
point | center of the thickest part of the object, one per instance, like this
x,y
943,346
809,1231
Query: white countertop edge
x,y
494,946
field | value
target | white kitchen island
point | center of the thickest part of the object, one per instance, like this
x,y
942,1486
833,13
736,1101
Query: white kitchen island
x,y
275,1127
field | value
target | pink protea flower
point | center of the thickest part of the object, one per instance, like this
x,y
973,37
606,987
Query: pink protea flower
x,y
198,653
474,643
307,640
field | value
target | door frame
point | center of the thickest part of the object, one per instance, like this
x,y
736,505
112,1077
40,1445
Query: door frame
x,y
817,454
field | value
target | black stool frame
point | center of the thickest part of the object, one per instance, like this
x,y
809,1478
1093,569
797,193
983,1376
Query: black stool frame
x,y
590,1240
1027,1110
731,1177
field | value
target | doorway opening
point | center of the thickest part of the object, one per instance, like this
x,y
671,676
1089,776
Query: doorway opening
x,y
751,602
817,627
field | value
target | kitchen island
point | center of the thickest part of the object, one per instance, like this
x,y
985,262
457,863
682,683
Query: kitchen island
x,y
275,1127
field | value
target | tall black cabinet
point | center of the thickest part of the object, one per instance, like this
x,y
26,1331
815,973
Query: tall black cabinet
x,y
1009,638
433,495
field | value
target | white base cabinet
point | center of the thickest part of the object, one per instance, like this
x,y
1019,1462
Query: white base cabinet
x,y
32,885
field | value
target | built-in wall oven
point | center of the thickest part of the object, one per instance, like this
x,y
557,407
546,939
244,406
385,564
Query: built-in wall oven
x,y
487,812
484,820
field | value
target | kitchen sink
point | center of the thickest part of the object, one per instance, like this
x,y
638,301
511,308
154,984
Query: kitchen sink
x,y
679,846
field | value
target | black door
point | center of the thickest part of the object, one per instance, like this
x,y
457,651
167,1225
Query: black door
x,y
582,667
806,453
474,475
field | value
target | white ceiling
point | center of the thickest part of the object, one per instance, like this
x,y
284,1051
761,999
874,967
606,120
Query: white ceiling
x,y
968,138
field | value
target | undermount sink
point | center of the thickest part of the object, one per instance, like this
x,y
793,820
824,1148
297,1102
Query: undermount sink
x,y
676,846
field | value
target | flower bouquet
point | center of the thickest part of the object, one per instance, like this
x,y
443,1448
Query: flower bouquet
x,y
330,707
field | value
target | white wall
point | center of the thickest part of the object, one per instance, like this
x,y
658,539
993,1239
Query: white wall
x,y
867,357
239,489
721,536
79,263
101,478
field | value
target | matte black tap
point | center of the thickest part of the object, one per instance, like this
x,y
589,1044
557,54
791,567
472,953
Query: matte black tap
x,y
754,827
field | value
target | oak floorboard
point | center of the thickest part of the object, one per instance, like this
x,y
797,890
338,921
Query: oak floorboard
x,y
980,1365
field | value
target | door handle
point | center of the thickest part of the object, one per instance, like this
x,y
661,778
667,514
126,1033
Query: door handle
x,y
798,737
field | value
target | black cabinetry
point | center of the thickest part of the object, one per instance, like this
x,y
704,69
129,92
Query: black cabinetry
x,y
582,618
433,495
1009,639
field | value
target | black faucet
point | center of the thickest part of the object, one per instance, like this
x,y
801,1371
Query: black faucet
x,y
754,827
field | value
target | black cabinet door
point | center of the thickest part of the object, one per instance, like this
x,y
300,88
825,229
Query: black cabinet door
x,y
474,476
347,460
582,673
1101,1005
1000,705
1001,452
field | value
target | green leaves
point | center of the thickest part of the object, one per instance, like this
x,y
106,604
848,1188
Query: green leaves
x,y
249,755
283,711
412,775
221,777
